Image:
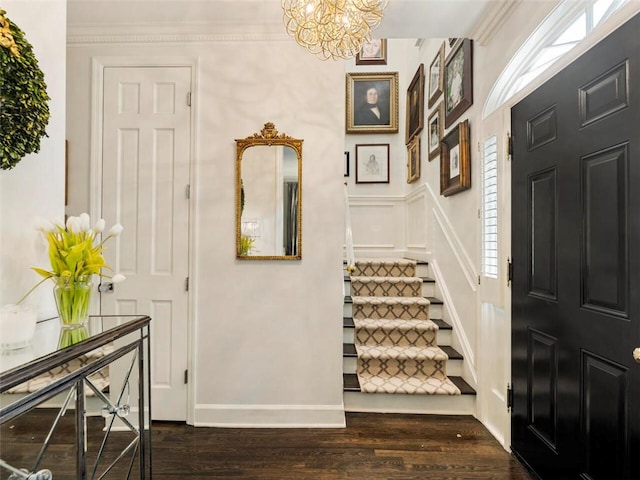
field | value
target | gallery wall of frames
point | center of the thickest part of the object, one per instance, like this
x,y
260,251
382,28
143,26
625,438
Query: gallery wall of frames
x,y
435,99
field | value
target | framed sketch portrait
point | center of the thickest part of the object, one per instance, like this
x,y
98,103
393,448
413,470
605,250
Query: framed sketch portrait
x,y
413,160
372,163
458,81
455,160
372,102
415,105
435,126
373,52
436,76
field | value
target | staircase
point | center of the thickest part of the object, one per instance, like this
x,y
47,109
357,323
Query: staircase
x,y
400,329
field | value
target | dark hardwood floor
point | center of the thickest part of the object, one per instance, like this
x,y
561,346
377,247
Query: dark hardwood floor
x,y
373,446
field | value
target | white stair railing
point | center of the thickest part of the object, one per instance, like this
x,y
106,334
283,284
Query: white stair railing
x,y
351,260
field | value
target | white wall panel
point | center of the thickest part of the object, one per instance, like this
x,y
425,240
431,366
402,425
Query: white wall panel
x,y
267,332
35,187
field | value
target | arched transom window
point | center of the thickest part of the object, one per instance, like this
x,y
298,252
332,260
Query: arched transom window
x,y
566,26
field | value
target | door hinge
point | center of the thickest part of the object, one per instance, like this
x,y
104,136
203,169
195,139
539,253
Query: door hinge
x,y
187,191
189,99
509,397
478,279
509,271
509,146
186,376
186,284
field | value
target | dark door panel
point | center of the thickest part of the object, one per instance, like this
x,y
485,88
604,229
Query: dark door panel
x,y
576,267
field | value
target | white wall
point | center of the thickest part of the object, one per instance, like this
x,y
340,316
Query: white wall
x,y
377,210
35,187
267,347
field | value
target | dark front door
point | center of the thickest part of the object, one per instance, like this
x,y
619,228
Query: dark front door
x,y
576,259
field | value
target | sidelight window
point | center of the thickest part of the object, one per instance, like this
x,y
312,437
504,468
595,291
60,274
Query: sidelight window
x,y
490,207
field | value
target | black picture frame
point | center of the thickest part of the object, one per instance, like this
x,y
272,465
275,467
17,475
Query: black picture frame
x,y
436,76
372,163
435,131
415,105
458,81
346,164
373,52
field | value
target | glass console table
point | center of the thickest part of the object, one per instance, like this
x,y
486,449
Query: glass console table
x,y
77,406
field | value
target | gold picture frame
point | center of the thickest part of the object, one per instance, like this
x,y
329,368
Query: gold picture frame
x,y
415,105
435,131
413,160
362,90
455,160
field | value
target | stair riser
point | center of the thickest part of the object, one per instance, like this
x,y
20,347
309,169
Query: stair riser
x,y
419,404
453,367
423,270
435,310
428,289
443,337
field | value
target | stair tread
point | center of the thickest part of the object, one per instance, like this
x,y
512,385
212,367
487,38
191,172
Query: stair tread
x,y
349,350
347,278
402,353
347,322
432,300
351,384
451,352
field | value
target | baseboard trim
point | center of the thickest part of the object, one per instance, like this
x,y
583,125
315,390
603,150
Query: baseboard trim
x,y
269,416
413,404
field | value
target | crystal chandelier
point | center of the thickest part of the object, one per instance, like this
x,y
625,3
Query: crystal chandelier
x,y
332,28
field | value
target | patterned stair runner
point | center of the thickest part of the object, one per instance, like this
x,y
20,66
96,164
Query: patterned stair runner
x,y
395,340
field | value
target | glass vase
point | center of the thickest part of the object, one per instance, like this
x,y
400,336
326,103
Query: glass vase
x,y
73,299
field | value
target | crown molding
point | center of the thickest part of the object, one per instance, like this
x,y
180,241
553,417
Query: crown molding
x,y
495,16
186,33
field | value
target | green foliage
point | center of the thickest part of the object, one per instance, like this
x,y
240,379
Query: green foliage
x,y
24,109
246,244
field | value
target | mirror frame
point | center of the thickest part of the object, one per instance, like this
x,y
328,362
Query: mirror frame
x,y
268,136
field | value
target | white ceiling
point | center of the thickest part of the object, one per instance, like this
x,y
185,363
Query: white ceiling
x,y
402,18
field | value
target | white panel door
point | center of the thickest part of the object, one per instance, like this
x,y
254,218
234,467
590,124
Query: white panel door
x,y
495,329
145,174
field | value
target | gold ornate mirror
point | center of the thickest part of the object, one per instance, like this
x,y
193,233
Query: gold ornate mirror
x,y
269,196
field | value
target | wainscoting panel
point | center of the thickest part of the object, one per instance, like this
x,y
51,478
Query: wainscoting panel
x,y
377,224
416,226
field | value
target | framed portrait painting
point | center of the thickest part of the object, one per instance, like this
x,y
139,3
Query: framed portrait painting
x,y
435,126
455,160
458,81
436,76
413,160
372,163
415,105
372,102
373,52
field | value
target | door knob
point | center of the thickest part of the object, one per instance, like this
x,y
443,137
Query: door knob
x,y
636,355
105,287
